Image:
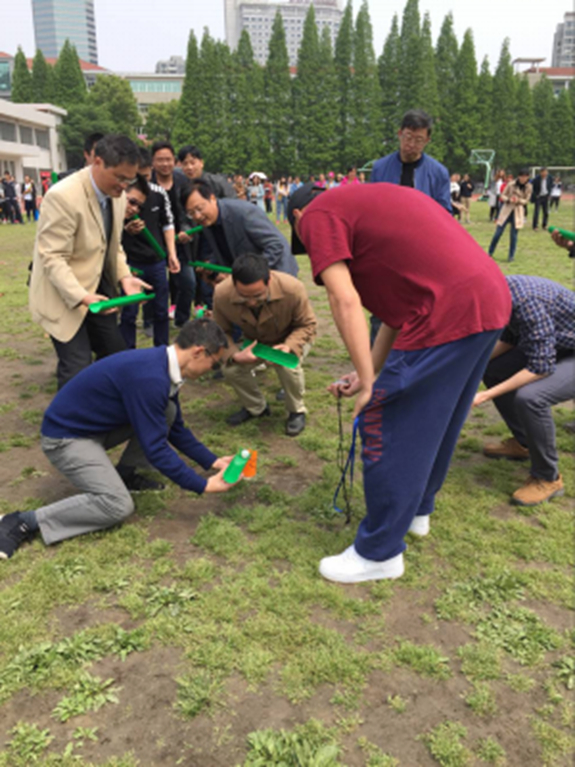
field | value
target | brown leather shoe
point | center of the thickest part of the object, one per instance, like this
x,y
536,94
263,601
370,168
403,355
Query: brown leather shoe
x,y
536,491
509,449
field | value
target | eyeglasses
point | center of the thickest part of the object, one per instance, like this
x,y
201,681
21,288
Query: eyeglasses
x,y
409,138
216,364
124,181
134,203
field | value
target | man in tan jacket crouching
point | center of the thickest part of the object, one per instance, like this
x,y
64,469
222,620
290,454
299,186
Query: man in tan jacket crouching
x,y
78,258
272,308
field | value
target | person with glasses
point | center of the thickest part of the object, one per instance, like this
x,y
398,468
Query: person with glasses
x,y
235,227
79,260
410,166
154,213
128,397
274,309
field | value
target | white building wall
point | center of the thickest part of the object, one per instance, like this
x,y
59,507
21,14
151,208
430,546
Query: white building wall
x,y
29,140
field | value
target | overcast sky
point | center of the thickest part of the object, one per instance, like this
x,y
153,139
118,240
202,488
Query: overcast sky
x,y
134,34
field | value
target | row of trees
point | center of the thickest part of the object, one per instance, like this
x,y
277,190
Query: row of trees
x,y
343,107
108,107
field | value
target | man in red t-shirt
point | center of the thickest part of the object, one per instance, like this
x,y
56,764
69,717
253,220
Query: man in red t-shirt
x,y
443,303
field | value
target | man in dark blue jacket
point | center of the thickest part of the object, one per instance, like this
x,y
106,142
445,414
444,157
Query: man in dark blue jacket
x,y
410,166
131,395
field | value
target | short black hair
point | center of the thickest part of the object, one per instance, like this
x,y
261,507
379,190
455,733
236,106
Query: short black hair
x,y
202,332
197,185
140,184
91,141
144,157
416,119
523,172
157,145
249,268
115,149
189,149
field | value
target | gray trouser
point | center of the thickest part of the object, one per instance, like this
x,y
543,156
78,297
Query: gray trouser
x,y
246,386
104,500
527,411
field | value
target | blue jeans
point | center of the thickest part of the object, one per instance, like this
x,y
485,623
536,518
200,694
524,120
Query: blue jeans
x,y
281,209
409,430
512,237
155,275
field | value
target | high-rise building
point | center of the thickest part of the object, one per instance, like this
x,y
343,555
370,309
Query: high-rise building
x,y
175,65
257,16
58,20
564,43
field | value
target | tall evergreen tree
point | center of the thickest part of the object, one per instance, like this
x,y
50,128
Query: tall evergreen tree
x,y
343,63
465,117
571,94
410,58
504,90
525,147
485,116
307,107
328,90
69,80
223,143
543,100
250,145
278,101
22,90
562,137
40,75
212,102
446,53
366,93
186,123
115,95
430,96
388,66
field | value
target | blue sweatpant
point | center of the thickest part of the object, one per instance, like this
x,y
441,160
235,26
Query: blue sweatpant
x,y
409,430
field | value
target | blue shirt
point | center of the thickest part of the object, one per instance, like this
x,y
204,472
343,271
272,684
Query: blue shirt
x,y
131,387
429,176
542,321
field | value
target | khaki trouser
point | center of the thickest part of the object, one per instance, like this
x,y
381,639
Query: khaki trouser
x,y
244,382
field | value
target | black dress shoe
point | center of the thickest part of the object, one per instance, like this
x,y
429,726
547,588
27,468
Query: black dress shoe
x,y
295,424
244,415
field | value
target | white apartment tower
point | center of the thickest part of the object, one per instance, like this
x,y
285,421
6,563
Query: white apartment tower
x,y
257,16
564,43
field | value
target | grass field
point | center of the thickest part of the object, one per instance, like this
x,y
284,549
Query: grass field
x,y
201,634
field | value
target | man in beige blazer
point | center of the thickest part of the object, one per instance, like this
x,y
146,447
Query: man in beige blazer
x,y
78,257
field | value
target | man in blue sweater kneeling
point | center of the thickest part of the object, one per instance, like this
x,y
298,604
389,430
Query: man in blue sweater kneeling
x,y
133,396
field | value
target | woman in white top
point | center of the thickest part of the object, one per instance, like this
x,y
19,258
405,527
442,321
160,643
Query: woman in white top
x,y
556,191
29,195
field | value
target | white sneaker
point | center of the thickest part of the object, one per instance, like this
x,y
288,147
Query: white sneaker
x,y
420,525
350,567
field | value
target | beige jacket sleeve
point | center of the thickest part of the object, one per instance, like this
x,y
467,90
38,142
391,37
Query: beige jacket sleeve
x,y
304,326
